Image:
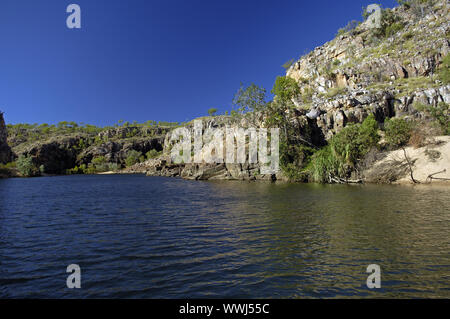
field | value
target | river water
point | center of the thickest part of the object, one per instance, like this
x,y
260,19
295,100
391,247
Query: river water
x,y
152,237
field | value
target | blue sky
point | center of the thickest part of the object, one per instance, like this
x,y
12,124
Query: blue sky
x,y
139,60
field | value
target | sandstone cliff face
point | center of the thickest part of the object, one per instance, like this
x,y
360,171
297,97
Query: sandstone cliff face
x,y
5,151
163,166
341,82
59,153
356,74
346,80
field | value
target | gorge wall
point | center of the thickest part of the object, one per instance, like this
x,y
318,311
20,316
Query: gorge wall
x,y
5,150
388,71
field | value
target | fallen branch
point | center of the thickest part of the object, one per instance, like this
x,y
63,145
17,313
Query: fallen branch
x,y
430,177
345,181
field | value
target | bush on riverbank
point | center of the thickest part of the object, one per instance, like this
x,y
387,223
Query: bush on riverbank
x,y
339,158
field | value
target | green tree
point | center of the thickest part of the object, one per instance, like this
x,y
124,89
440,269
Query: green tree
x,y
132,157
398,132
212,111
285,89
294,147
250,99
25,165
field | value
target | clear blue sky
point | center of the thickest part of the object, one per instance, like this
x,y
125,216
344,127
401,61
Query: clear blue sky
x,y
143,60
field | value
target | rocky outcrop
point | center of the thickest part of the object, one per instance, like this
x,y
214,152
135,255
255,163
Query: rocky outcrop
x,y
342,82
65,152
346,80
116,151
356,74
6,154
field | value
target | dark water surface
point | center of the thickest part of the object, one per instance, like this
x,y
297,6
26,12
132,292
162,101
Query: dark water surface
x,y
136,236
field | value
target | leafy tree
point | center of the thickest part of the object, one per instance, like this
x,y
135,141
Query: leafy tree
x,y
250,99
212,111
99,160
285,89
250,102
398,134
25,165
132,157
294,148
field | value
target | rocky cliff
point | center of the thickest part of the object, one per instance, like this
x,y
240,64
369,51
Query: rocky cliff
x,y
387,70
59,152
5,150
361,72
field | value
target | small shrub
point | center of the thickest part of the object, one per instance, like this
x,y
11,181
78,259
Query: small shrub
x,y
307,94
288,64
408,35
9,165
351,26
334,92
398,132
444,70
323,165
344,151
418,137
152,154
418,7
393,29
82,169
440,113
293,159
390,24
113,167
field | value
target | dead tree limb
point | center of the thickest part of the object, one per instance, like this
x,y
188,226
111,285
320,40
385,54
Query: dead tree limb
x,y
410,167
430,177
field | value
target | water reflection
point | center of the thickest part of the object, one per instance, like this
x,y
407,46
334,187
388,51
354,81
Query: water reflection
x,y
157,237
